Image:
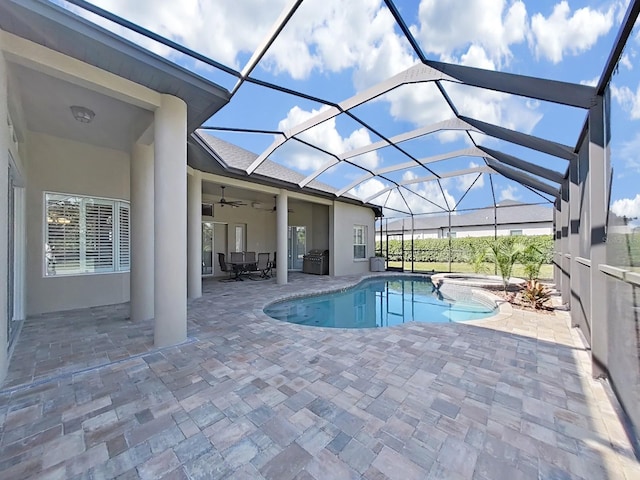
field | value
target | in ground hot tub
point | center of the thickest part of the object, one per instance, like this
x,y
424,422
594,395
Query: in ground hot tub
x,y
490,282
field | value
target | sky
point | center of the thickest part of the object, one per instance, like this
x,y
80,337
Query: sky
x,y
331,50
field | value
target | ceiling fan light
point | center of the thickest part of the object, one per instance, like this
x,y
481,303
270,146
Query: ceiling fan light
x,y
82,114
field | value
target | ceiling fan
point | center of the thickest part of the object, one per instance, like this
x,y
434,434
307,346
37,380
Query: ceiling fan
x,y
275,206
230,203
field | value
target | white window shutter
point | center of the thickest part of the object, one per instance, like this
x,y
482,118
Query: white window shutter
x,y
99,256
62,248
124,237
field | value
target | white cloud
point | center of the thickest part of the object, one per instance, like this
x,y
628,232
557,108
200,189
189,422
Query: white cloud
x,y
325,136
629,152
369,188
481,24
221,30
628,99
625,60
465,181
591,83
627,207
508,193
330,35
562,33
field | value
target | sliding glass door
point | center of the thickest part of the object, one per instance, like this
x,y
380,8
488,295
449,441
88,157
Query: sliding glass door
x,y
297,246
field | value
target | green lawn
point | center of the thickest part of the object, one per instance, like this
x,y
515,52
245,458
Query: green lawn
x,y
546,271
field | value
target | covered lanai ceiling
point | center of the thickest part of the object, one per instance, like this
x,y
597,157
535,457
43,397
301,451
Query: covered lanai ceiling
x,y
420,107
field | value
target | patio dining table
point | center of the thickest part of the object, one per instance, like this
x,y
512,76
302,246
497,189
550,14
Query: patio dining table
x,y
238,268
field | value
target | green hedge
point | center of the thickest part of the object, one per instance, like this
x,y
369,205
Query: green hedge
x,y
437,249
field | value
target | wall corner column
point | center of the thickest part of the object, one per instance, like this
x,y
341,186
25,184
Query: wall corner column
x,y
170,223
557,246
598,205
142,233
574,245
565,261
4,219
282,224
194,235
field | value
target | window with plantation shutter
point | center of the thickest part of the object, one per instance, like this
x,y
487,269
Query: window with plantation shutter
x,y
62,246
99,236
85,235
123,236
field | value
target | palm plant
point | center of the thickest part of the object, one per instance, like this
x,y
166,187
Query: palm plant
x,y
506,251
477,257
532,259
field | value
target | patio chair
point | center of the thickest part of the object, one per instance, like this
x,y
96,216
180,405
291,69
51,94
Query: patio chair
x,y
272,263
236,257
264,265
250,257
225,268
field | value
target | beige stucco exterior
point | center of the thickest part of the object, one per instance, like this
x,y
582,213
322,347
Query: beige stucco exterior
x,y
345,217
60,165
151,173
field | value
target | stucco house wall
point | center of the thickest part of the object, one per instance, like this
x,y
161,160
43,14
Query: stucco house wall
x,y
345,216
65,166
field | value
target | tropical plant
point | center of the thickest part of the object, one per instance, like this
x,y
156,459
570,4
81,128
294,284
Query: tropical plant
x,y
505,252
532,259
477,257
536,294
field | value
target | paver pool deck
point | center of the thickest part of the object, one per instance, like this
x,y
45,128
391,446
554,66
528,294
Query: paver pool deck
x,y
249,397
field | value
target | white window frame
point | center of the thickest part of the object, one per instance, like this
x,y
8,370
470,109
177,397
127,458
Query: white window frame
x,y
516,232
115,253
364,233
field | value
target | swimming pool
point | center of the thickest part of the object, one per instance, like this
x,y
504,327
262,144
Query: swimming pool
x,y
380,302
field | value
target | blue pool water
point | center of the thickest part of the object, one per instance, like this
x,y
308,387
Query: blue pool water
x,y
379,302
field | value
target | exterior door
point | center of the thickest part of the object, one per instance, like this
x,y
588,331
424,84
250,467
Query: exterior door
x,y
297,247
207,248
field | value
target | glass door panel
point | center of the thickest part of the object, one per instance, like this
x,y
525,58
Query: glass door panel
x,y
297,246
207,248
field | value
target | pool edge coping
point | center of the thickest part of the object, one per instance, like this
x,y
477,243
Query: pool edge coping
x,y
505,310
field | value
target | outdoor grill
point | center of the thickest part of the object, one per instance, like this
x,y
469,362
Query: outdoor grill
x,y
316,262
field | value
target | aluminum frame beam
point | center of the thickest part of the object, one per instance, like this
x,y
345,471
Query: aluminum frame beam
x,y
468,152
529,141
522,178
467,171
260,52
450,124
416,74
528,167
563,93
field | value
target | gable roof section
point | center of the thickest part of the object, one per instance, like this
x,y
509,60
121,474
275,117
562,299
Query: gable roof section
x,y
58,29
214,155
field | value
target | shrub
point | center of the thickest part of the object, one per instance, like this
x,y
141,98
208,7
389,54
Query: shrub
x,y
535,294
463,250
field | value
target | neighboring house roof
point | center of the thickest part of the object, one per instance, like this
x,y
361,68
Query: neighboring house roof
x,y
507,212
211,154
56,28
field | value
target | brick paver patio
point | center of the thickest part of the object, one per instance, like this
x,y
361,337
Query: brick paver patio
x,y
248,397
